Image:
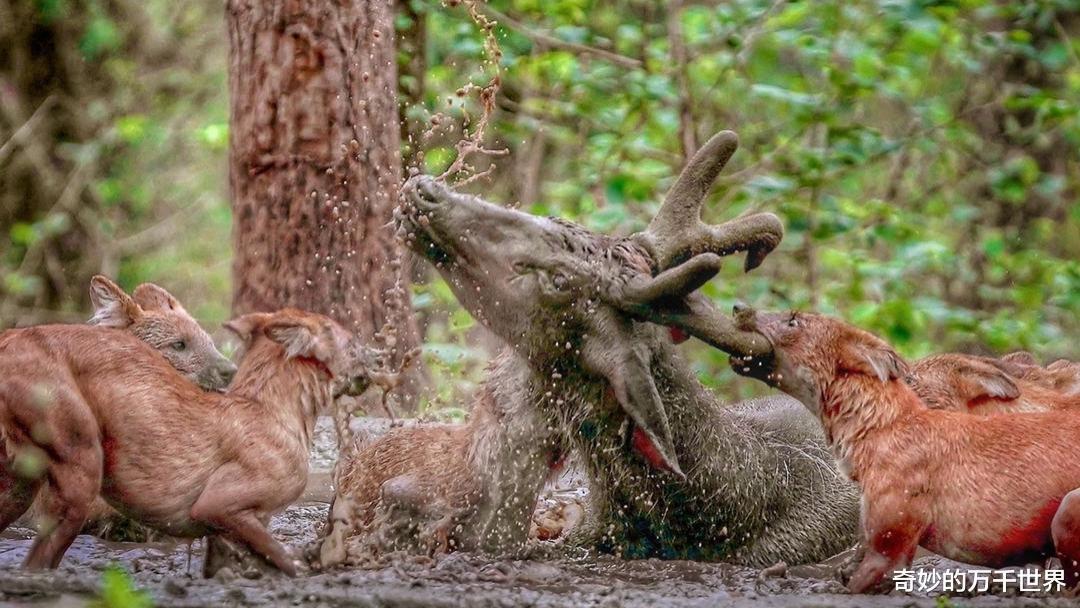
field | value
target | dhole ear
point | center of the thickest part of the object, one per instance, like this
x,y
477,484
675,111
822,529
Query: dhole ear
x,y
873,358
1020,357
985,381
154,297
300,339
112,307
246,326
1061,364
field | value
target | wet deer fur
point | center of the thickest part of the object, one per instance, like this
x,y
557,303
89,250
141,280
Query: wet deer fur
x,y
588,320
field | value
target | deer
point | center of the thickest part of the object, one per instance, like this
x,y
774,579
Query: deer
x,y
94,409
986,490
589,322
984,385
415,487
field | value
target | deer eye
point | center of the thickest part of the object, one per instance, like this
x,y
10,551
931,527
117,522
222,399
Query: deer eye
x,y
560,282
179,345
793,321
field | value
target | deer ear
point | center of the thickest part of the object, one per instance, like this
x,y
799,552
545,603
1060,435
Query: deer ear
x,y
613,356
978,381
247,326
112,307
154,297
873,357
300,339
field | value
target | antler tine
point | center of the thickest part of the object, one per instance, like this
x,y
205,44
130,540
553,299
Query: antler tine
x,y
677,232
670,299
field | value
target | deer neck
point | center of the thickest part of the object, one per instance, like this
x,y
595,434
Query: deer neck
x,y
293,391
510,448
716,446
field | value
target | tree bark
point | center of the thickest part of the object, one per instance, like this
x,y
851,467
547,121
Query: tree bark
x,y
315,162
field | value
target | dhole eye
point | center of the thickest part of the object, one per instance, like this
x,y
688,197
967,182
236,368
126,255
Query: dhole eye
x,y
179,345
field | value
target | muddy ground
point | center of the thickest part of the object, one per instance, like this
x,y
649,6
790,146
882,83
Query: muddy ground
x,y
171,573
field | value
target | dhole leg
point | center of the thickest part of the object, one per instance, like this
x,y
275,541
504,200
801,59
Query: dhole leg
x,y
1065,530
228,503
17,493
74,486
246,528
890,544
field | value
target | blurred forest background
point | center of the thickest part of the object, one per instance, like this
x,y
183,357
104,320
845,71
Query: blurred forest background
x,y
922,154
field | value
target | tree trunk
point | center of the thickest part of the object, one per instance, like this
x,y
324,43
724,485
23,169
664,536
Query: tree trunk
x,y
315,162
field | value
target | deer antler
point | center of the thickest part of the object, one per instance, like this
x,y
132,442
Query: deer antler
x,y
689,252
677,232
668,299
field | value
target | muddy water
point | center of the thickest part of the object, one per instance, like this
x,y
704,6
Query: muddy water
x,y
546,576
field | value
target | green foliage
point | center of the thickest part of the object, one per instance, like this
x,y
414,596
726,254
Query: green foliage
x,y
139,148
119,591
921,154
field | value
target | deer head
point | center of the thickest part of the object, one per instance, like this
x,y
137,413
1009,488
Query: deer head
x,y
568,298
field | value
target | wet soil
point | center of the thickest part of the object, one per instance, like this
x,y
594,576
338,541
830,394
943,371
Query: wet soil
x,y
546,575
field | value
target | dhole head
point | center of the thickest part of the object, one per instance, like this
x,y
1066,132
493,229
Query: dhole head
x,y
154,316
351,366
1065,376
811,351
958,382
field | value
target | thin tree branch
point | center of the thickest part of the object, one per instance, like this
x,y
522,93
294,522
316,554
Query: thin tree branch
x,y
546,39
27,128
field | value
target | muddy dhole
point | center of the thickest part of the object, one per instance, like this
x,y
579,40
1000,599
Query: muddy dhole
x,y
87,408
987,490
156,317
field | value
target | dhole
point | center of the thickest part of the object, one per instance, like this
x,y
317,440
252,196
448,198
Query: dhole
x,y
981,385
420,472
89,408
993,491
1061,375
154,316
423,471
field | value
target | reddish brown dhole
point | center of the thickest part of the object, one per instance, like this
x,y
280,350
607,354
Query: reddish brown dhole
x,y
993,491
982,385
85,409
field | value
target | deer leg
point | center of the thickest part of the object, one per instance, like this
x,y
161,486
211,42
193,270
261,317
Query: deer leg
x,y
1065,530
74,484
332,548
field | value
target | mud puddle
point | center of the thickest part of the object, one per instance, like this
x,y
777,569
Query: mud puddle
x,y
546,576
171,575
